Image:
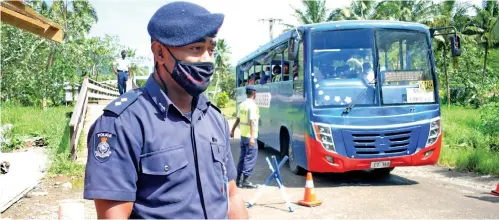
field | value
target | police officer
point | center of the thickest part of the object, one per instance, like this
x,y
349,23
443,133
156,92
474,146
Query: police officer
x,y
162,151
247,115
122,70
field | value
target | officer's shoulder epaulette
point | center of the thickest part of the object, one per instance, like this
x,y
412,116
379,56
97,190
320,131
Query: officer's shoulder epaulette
x,y
119,105
216,108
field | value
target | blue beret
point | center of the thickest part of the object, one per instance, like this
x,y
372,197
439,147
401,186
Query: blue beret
x,y
180,23
250,88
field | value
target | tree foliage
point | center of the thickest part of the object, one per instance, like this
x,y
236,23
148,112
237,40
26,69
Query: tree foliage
x,y
224,78
34,68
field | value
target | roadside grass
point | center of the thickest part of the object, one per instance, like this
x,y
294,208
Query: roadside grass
x,y
230,110
465,147
52,124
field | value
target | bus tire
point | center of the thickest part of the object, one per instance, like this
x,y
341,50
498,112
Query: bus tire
x,y
287,150
382,172
293,166
261,145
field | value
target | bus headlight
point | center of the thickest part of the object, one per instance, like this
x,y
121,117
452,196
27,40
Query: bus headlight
x,y
434,132
324,135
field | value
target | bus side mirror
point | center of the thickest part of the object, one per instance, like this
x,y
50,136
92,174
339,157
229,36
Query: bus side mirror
x,y
455,43
293,49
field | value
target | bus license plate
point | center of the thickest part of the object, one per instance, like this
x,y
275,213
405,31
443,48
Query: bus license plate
x,y
380,164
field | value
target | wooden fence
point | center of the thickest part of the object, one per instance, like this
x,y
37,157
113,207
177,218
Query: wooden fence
x,y
89,90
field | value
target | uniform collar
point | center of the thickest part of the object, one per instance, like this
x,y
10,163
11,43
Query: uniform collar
x,y
163,102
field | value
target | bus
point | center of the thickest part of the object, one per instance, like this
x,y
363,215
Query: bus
x,y
348,95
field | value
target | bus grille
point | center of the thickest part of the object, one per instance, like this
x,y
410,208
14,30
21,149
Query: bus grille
x,y
386,143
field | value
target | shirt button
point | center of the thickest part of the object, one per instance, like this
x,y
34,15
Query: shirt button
x,y
167,168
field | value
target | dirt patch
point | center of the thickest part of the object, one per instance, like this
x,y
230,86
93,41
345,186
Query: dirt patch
x,y
43,201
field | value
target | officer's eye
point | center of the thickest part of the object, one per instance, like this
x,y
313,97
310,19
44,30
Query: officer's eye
x,y
197,49
211,51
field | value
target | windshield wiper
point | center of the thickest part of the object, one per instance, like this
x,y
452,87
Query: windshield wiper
x,y
361,94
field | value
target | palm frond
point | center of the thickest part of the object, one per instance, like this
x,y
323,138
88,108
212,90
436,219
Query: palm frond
x,y
495,29
473,30
335,15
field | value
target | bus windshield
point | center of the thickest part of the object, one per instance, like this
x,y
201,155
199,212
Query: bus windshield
x,y
405,68
343,67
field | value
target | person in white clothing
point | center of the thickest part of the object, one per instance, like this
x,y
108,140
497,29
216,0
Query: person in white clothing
x,y
121,68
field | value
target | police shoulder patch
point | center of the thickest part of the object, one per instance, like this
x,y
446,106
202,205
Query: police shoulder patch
x,y
123,102
103,145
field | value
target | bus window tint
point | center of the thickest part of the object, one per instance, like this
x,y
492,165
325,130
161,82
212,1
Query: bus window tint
x,y
342,67
405,67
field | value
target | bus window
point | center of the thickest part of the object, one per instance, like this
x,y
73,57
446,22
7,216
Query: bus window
x,y
285,70
245,77
240,79
298,64
276,70
406,76
265,75
337,60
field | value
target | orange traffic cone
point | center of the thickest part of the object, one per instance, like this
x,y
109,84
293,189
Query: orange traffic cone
x,y
310,199
495,192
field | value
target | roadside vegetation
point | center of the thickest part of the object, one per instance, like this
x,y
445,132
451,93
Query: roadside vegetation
x,y
469,143
52,125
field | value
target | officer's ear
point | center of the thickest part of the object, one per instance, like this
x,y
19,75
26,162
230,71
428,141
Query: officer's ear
x,y
157,50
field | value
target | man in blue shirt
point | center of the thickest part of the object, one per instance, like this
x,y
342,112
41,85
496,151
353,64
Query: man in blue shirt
x,y
163,151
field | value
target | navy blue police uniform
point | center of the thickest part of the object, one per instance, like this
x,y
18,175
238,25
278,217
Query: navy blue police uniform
x,y
144,150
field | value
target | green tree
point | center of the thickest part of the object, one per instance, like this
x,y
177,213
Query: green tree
x,y
417,11
100,52
484,27
314,11
358,10
76,19
448,13
222,79
34,68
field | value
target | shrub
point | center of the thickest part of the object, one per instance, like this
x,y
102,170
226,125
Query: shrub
x,y
489,117
222,99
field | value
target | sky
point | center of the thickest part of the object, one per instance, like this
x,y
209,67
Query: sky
x,y
242,30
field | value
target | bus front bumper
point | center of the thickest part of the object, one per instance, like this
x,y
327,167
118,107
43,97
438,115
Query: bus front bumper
x,y
318,162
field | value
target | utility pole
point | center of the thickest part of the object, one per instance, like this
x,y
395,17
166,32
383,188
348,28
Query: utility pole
x,y
271,24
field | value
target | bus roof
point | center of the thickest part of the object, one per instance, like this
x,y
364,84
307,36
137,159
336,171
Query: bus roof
x,y
334,25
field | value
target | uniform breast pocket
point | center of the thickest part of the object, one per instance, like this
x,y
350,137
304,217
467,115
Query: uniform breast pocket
x,y
219,167
166,177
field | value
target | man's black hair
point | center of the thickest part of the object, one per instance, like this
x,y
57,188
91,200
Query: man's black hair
x,y
250,92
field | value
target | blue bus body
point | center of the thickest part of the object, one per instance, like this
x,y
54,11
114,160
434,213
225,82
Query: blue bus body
x,y
306,117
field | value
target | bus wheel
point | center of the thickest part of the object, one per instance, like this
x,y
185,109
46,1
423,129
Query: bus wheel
x,y
382,172
293,166
261,145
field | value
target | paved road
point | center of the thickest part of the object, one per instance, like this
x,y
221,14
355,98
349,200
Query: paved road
x,y
412,192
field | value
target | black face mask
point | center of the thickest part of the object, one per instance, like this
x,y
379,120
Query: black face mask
x,y
193,77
